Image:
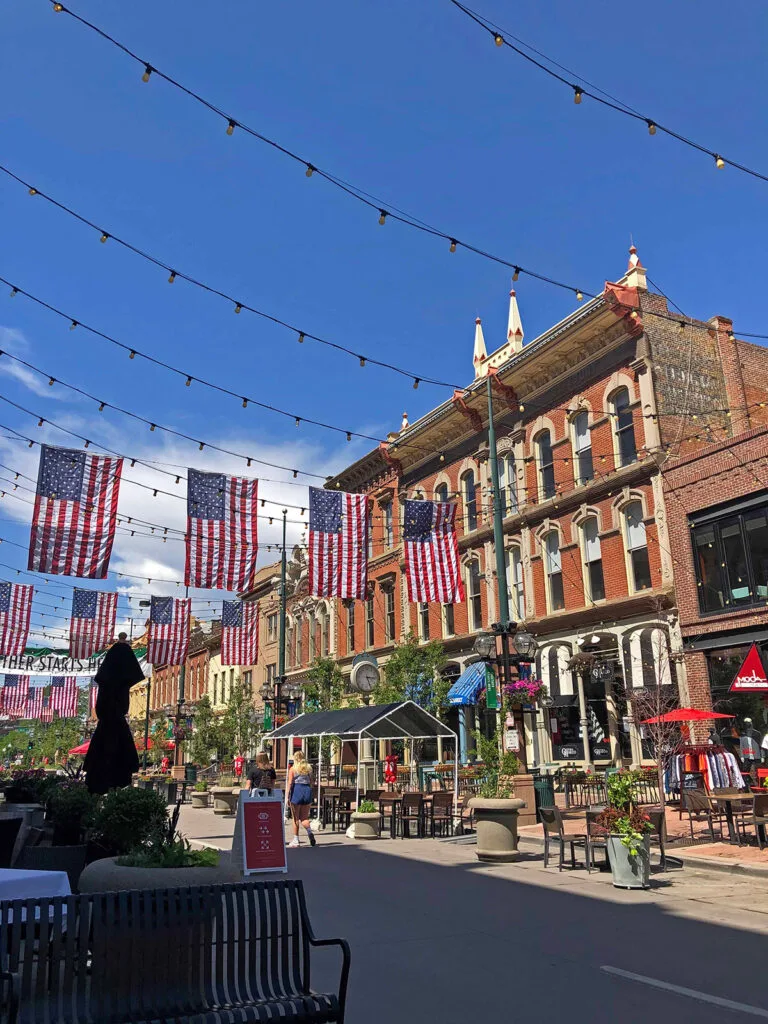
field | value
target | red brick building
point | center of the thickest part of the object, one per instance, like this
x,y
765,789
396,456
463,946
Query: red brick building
x,y
717,504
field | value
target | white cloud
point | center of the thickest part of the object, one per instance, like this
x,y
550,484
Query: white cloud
x,y
15,342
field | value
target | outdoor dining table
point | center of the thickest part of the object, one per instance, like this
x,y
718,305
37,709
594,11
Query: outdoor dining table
x,y
396,799
728,800
17,884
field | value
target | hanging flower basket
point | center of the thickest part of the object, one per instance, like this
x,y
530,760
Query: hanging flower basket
x,y
524,691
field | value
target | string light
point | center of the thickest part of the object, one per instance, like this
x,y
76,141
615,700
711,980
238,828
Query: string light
x,y
239,307
33,191
310,170
579,296
231,128
87,444
131,354
58,8
349,436
245,403
147,73
298,421
51,382
362,360
416,383
40,422
172,277
201,446
73,325
498,39
382,217
152,427
301,337
14,292
516,275
453,245
651,127
719,162
104,237
30,444
731,336
577,94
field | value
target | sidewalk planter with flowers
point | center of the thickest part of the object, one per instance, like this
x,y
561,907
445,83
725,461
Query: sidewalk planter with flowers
x,y
496,812
200,795
366,821
524,691
627,829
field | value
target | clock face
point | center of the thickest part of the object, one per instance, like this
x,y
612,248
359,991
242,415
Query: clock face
x,y
366,677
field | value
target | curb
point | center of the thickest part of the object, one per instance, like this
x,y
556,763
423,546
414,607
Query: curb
x,y
717,864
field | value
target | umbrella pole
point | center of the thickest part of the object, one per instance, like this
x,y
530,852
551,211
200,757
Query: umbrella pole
x,y
146,724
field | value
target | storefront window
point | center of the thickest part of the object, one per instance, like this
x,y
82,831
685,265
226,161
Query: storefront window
x,y
723,665
731,556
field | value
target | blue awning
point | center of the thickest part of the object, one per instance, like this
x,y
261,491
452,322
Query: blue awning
x,y
469,684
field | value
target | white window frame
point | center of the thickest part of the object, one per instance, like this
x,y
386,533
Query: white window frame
x,y
444,620
540,466
553,566
475,619
513,559
582,414
467,502
629,546
584,543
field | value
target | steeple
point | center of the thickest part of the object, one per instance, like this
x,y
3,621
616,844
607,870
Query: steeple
x,y
635,275
515,324
481,354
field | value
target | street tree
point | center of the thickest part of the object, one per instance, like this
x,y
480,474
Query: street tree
x,y
238,731
206,737
414,672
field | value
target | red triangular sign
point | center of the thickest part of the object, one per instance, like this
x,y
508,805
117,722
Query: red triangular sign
x,y
751,676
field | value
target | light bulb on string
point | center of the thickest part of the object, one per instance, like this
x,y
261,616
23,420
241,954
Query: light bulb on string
x,y
51,382
87,444
172,277
382,217
719,162
453,245
416,382
301,337
188,382
201,446
577,94
104,237
73,325
58,8
131,354
298,421
14,292
152,426
238,307
40,422
310,170
349,435
245,403
231,127
579,296
147,72
30,444
498,39
362,360
651,127
516,275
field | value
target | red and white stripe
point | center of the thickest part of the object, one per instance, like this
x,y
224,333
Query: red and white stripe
x,y
338,562
34,707
75,538
432,568
167,644
86,636
240,644
14,624
13,699
93,692
221,554
64,698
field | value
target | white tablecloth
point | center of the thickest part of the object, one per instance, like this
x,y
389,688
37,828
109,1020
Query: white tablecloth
x,y
21,885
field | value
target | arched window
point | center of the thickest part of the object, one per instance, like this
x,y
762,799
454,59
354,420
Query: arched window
x,y
289,645
553,567
312,639
639,568
469,494
298,643
441,492
389,524
389,613
507,484
350,627
474,601
515,587
623,427
594,582
546,465
583,470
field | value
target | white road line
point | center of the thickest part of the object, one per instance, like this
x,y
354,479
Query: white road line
x,y
703,997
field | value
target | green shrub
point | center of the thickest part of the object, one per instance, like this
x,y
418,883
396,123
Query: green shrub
x,y
367,807
127,818
29,785
176,854
70,806
201,786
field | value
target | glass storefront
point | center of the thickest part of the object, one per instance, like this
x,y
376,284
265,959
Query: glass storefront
x,y
723,664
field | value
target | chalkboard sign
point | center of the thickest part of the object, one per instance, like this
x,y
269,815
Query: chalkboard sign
x,y
693,780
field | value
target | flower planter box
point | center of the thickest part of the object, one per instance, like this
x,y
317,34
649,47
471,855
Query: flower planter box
x,y
224,799
630,872
496,824
108,876
365,824
200,799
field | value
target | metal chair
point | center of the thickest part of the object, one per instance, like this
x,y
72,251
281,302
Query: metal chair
x,y
659,833
552,821
412,811
388,812
9,831
596,840
760,817
441,815
343,814
696,804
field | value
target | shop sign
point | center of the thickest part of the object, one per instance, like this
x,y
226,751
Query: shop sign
x,y
512,740
491,693
601,751
569,752
751,676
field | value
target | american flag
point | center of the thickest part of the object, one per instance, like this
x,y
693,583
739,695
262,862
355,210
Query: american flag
x,y
240,633
221,531
168,630
15,612
73,525
64,695
93,693
92,625
338,544
13,696
432,552
34,708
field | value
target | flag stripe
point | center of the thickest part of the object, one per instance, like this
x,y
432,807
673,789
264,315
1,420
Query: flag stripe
x,y
338,557
167,643
86,635
432,560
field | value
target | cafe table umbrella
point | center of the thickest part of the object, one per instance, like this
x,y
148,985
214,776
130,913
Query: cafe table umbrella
x,y
685,715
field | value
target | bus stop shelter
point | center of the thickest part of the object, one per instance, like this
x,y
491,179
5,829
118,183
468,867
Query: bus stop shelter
x,y
404,720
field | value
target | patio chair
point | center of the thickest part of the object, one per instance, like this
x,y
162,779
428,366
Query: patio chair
x,y
388,812
441,817
327,810
596,840
741,812
760,817
344,801
659,833
465,813
54,858
552,821
9,830
696,804
412,811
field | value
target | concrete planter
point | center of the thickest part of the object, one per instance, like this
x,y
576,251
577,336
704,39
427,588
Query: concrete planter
x,y
108,876
365,825
200,799
630,872
496,825
224,799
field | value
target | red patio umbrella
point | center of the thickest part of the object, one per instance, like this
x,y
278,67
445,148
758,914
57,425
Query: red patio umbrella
x,y
685,715
82,750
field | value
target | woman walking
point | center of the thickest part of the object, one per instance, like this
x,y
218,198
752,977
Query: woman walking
x,y
300,797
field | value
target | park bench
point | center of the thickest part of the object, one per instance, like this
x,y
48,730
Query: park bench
x,y
209,954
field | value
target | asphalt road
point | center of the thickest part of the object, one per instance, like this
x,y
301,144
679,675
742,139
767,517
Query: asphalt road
x,y
436,936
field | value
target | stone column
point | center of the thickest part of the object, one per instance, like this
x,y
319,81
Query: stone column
x,y
583,720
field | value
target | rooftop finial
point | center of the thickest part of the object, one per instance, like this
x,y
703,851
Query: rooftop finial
x,y
514,324
481,353
405,424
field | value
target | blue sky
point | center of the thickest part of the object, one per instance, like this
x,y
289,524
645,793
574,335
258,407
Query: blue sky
x,y
409,101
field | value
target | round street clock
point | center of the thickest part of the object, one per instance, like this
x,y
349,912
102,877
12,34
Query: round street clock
x,y
364,676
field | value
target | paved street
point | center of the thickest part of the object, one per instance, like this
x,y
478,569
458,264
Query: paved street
x,y
436,936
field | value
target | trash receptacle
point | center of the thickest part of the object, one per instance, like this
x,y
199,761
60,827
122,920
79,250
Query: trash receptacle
x,y
544,793
171,792
190,773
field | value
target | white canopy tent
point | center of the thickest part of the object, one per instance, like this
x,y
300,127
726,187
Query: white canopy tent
x,y
403,720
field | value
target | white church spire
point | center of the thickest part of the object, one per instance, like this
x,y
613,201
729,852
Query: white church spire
x,y
515,324
481,354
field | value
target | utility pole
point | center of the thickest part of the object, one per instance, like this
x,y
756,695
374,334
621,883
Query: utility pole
x,y
498,544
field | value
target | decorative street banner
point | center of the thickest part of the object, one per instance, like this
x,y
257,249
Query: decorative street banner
x,y
751,676
46,662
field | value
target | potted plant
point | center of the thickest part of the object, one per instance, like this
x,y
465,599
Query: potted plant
x,y
366,821
225,795
524,691
627,829
200,795
123,819
69,809
496,809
